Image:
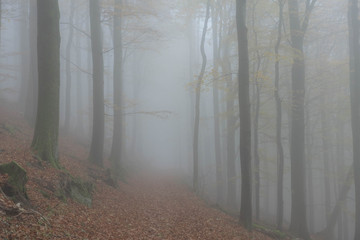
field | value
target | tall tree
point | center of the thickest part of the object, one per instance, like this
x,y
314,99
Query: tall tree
x,y
45,140
298,223
244,110
217,144
117,146
68,66
354,48
97,142
31,98
197,102
279,147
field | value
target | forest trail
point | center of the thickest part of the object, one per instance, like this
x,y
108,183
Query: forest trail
x,y
146,207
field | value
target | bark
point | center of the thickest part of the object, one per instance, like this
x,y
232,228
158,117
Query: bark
x,y
244,110
117,146
97,142
197,103
45,140
279,146
68,68
354,49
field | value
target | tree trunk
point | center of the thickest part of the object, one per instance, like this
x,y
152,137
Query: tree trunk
x,y
244,110
45,140
68,68
97,142
117,145
354,49
325,149
24,51
279,147
32,90
217,146
333,217
197,103
230,129
298,223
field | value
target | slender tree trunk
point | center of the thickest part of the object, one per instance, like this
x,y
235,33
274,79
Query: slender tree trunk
x,y
325,148
355,99
45,140
244,110
217,144
32,91
24,50
298,223
230,129
79,100
117,145
197,103
97,142
256,109
279,147
68,67
309,153
334,216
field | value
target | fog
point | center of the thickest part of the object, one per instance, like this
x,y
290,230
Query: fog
x,y
161,63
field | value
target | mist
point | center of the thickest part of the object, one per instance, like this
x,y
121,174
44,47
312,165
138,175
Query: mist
x,y
300,64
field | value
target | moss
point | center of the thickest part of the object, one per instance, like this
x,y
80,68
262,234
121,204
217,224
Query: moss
x,y
15,186
76,189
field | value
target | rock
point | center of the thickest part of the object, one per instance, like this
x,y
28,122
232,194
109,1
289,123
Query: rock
x,y
14,187
77,189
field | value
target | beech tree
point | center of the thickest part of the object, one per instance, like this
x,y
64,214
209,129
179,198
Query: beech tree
x,y
244,110
297,150
197,102
354,54
117,146
97,142
45,140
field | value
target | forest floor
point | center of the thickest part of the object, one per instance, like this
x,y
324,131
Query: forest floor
x,y
149,206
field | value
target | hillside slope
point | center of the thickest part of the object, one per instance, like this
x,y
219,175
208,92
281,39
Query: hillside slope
x,y
147,207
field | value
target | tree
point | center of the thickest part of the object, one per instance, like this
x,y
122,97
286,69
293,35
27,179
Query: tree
x,y
197,102
354,54
279,147
298,223
116,149
217,145
31,98
68,67
45,140
97,142
244,110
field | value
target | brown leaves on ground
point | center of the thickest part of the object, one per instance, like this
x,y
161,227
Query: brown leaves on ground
x,y
146,207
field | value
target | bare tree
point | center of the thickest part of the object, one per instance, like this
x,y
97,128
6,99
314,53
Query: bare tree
x,y
244,110
97,142
354,48
45,140
297,150
117,146
197,102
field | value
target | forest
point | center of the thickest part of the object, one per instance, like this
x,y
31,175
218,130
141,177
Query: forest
x,y
169,119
